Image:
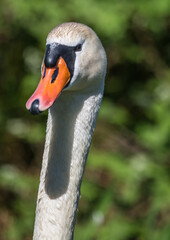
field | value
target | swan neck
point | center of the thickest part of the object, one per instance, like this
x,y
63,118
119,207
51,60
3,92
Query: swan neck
x,y
70,127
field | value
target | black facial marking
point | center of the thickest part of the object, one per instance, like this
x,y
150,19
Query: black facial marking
x,y
55,50
51,55
54,76
44,72
69,57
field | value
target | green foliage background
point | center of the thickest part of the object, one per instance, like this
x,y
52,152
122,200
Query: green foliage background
x,y
126,185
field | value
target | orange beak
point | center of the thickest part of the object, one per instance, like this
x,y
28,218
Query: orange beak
x,y
52,82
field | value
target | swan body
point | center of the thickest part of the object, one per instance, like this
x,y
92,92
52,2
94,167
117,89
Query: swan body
x,y
71,122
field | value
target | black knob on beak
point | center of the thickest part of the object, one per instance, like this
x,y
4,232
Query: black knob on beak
x,y
52,55
35,107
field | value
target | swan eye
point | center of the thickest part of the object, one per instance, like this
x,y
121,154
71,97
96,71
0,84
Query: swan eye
x,y
78,48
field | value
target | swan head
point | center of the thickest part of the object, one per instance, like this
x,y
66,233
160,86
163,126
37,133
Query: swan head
x,y
74,60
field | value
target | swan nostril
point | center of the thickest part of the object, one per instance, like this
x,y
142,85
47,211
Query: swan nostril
x,y
35,107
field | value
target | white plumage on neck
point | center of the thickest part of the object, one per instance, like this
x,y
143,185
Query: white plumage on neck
x,y
70,126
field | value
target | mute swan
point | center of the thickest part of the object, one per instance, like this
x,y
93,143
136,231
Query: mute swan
x,y
74,66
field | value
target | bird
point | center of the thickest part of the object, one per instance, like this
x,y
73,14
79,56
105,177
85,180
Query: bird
x,y
71,88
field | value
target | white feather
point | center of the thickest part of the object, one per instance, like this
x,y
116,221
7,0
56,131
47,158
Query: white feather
x,y
70,126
